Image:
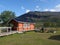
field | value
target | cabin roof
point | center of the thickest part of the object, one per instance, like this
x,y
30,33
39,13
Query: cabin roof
x,y
21,19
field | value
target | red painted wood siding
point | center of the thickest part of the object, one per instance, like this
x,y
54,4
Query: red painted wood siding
x,y
20,26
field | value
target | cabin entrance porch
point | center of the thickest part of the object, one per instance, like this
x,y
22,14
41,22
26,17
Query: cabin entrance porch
x,y
6,31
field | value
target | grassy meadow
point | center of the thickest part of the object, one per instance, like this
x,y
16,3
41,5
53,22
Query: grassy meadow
x,y
31,38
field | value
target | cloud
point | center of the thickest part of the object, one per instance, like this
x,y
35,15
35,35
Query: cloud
x,y
52,10
46,9
37,8
57,6
27,10
55,9
22,7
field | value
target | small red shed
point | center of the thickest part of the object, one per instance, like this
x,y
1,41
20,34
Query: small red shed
x,y
20,24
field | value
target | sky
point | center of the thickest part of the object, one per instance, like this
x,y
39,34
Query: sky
x,y
24,6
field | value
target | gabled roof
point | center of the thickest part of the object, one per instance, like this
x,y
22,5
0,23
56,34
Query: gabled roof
x,y
23,19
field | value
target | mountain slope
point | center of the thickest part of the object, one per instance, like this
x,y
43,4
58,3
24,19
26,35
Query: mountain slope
x,y
40,16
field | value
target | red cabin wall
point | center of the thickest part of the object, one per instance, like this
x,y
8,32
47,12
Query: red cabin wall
x,y
20,26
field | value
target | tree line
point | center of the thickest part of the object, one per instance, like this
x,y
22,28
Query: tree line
x,y
5,16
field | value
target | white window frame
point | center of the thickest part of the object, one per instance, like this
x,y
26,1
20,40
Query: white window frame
x,y
26,25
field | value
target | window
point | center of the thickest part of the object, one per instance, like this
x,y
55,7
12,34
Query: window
x,y
26,25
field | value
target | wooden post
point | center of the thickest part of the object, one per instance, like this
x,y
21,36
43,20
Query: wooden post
x,y
7,29
0,30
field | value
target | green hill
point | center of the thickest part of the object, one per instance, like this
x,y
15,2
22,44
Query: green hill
x,y
42,17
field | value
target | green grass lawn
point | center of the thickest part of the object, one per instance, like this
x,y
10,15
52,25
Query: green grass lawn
x,y
30,38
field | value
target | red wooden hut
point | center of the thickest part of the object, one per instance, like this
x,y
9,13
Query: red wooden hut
x,y
22,24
